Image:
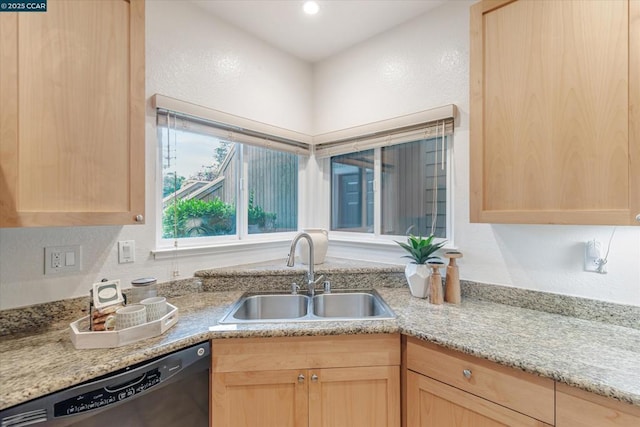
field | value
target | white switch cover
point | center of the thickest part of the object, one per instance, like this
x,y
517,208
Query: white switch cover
x,y
69,259
126,251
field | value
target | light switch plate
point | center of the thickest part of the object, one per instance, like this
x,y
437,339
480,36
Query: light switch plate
x,y
126,251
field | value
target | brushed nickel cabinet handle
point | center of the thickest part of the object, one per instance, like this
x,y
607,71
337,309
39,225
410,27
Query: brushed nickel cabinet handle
x,y
314,378
466,373
300,378
139,218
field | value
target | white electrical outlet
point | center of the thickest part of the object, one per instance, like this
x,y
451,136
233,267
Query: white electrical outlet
x,y
56,260
592,255
62,259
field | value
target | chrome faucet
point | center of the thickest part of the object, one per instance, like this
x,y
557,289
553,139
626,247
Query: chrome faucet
x,y
311,279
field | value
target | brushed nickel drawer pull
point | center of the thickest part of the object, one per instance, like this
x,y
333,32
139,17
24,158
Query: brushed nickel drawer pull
x,y
300,378
314,378
466,373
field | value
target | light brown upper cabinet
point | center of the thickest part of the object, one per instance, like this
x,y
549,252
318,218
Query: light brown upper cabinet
x,y
555,112
72,88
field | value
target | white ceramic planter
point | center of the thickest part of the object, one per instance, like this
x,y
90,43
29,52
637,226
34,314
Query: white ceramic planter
x,y
418,278
320,239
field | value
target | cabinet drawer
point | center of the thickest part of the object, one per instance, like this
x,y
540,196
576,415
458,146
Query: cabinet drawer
x,y
522,392
578,408
263,354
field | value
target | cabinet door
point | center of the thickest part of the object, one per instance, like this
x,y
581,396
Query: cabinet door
x,y
355,397
555,112
264,398
578,408
431,403
72,116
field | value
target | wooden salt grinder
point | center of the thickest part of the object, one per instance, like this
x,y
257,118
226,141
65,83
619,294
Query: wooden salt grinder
x,y
435,283
452,282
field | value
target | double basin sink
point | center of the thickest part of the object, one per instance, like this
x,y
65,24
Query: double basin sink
x,y
259,307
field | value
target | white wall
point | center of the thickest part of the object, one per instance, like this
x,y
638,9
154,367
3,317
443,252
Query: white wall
x,y
419,65
195,57
425,64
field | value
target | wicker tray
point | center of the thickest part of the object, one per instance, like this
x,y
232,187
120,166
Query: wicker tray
x,y
83,338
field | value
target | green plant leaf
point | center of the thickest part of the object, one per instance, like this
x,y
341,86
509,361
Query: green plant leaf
x,y
421,249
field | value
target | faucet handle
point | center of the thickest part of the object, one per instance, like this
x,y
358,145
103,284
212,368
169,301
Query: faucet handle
x,y
318,280
327,286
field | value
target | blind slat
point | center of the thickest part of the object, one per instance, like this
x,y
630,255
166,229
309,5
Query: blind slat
x,y
203,127
385,139
206,121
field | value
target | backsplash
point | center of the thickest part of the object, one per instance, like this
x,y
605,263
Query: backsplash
x,y
259,277
581,308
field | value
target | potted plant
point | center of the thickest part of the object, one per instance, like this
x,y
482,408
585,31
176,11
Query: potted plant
x,y
421,250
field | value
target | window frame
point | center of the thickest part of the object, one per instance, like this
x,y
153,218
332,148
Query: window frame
x,y
314,185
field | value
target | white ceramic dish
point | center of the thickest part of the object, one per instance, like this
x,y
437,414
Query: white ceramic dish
x,y
156,307
130,316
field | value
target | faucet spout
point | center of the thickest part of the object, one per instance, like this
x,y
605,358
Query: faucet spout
x,y
291,260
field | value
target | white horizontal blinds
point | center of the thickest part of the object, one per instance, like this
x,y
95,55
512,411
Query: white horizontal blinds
x,y
197,119
423,125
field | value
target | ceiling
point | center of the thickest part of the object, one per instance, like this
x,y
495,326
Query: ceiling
x,y
338,25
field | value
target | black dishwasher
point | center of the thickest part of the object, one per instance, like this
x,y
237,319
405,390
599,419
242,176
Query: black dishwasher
x,y
169,391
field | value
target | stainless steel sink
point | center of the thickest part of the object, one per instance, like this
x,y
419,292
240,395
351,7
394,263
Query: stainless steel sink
x,y
259,307
355,305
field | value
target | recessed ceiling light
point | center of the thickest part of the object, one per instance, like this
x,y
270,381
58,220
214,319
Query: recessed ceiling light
x,y
310,7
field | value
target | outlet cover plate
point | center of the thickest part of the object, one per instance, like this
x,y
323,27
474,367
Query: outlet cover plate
x,y
62,259
592,253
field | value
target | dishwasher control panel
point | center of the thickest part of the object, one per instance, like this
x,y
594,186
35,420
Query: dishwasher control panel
x,y
105,396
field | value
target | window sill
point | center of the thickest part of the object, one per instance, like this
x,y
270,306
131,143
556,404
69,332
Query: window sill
x,y
343,245
221,248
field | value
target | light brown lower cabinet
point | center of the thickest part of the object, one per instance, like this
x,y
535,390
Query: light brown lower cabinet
x,y
306,381
431,403
578,408
448,388
354,381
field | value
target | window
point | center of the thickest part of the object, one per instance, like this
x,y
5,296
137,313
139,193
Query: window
x,y
227,178
199,185
352,192
273,190
413,191
216,187
391,178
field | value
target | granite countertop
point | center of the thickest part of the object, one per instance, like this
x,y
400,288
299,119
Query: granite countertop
x,y
598,357
331,266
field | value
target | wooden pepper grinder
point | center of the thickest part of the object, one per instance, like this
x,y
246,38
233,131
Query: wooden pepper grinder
x,y
435,283
452,282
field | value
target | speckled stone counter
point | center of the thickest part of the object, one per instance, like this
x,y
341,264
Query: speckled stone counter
x,y
594,356
598,357
276,275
